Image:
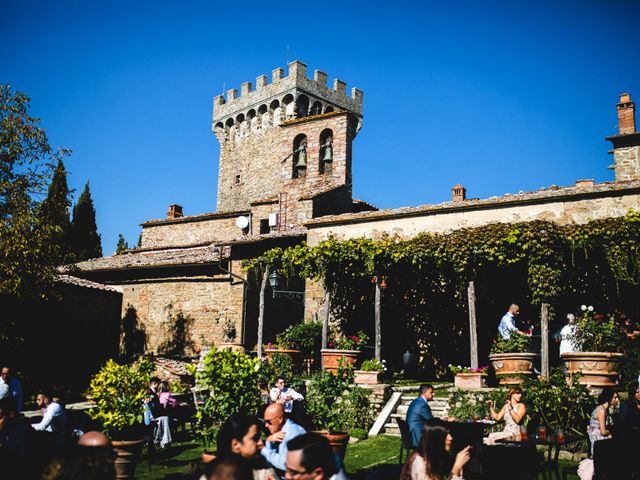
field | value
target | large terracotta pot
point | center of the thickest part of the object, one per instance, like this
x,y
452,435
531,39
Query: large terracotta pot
x,y
338,442
470,380
512,368
598,369
127,457
331,358
362,377
290,352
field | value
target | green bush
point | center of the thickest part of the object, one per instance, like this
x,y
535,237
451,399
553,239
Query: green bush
x,y
598,333
119,392
464,405
305,336
232,379
517,343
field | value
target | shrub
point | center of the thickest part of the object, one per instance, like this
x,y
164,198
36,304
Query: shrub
x,y
348,342
598,333
517,343
305,336
373,365
119,392
464,405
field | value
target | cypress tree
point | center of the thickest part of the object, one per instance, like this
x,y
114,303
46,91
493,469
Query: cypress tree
x,y
122,246
84,231
54,212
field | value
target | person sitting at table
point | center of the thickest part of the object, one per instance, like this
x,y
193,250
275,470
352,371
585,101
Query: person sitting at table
x,y
513,412
433,459
597,428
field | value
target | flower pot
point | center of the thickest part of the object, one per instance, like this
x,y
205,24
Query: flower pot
x,y
332,357
512,368
598,369
234,347
338,442
290,352
127,457
363,377
470,380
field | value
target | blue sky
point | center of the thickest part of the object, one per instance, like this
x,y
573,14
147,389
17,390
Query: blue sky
x,y
498,96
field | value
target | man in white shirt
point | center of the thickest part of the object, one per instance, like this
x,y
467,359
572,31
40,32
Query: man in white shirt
x,y
507,323
568,335
11,386
54,419
284,395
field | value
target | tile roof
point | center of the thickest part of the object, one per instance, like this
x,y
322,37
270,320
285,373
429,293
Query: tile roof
x,y
81,282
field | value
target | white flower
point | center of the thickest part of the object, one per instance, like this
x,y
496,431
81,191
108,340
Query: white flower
x,y
384,361
583,308
590,308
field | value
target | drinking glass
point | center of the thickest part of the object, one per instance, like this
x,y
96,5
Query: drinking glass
x,y
542,433
560,435
523,433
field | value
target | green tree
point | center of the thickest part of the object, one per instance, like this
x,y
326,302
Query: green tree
x,y
54,211
85,239
28,252
122,246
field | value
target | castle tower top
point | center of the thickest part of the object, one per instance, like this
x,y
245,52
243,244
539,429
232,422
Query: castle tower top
x,y
296,94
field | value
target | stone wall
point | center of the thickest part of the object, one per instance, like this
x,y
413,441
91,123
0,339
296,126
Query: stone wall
x,y
627,163
190,230
203,306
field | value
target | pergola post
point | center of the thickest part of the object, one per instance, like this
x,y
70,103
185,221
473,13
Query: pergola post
x,y
325,317
473,331
378,323
263,287
544,334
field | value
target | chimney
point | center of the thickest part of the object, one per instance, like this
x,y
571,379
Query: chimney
x,y
586,182
459,193
175,211
626,114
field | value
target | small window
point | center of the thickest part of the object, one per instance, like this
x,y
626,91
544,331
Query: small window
x,y
237,179
264,226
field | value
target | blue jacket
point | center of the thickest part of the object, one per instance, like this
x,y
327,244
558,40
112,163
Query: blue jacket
x,y
418,413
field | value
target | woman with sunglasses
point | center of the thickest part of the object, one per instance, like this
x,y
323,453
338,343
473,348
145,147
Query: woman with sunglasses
x,y
434,459
241,436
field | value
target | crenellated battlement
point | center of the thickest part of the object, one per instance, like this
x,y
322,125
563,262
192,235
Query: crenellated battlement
x,y
287,96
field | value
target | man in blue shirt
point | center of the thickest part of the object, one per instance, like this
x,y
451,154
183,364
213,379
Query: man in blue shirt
x,y
508,324
419,412
281,430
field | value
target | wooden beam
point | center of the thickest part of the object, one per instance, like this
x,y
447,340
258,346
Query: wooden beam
x,y
544,334
378,325
325,317
263,287
473,330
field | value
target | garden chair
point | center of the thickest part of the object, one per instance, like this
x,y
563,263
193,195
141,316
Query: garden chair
x,y
406,439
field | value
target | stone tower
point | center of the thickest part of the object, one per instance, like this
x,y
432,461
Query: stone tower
x,y
626,145
285,147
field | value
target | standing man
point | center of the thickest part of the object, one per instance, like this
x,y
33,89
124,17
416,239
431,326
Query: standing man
x,y
54,418
507,324
419,412
14,387
281,430
284,395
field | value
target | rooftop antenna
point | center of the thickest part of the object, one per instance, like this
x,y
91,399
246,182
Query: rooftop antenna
x,y
224,85
287,56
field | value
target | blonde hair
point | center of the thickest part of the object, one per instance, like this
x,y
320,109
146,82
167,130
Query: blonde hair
x,y
513,391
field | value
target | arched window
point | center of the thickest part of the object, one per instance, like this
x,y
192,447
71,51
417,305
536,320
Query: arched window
x,y
316,108
325,163
302,106
328,109
289,106
276,112
299,156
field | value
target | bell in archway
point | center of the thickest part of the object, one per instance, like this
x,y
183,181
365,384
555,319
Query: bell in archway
x,y
328,154
302,157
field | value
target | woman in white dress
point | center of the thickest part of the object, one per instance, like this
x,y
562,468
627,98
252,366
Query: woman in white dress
x,y
512,413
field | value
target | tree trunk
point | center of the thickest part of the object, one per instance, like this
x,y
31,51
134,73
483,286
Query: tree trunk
x,y
263,287
378,330
544,334
325,318
473,331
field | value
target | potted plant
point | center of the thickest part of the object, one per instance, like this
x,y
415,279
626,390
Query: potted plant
x,y
512,359
467,377
229,334
118,393
335,406
285,344
370,372
301,339
342,348
598,339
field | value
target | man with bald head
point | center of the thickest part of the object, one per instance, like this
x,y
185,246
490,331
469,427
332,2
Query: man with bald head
x,y
94,439
281,430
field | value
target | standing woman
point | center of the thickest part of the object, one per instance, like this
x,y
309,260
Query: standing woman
x,y
433,459
597,429
513,412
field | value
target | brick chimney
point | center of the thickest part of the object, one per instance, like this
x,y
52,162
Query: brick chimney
x,y
458,193
175,211
626,114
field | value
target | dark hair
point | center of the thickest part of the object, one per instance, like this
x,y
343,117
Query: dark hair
x,y
232,467
316,453
606,395
281,378
163,387
433,450
154,380
46,393
424,387
513,391
236,426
